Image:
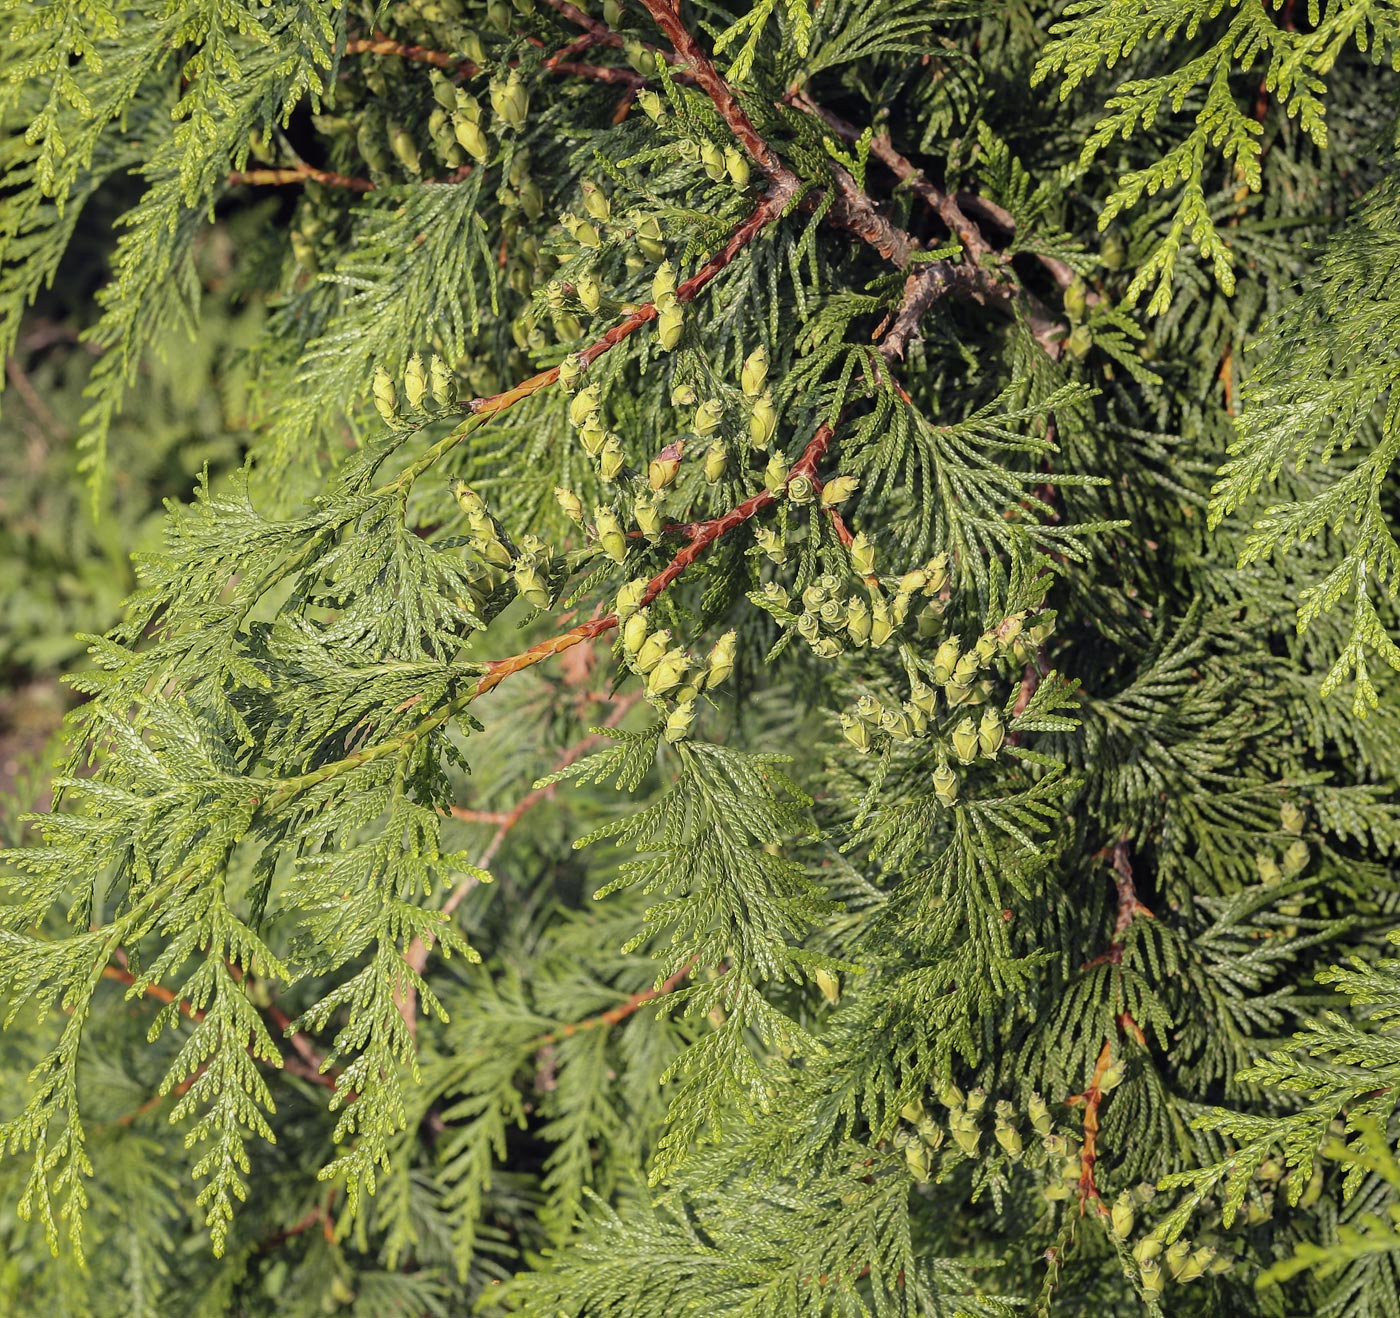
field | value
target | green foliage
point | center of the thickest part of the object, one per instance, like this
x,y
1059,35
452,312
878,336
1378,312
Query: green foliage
x,y
697,733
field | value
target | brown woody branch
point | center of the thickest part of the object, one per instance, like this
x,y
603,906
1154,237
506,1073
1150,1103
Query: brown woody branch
x,y
417,954
298,174
706,533
1129,909
615,1015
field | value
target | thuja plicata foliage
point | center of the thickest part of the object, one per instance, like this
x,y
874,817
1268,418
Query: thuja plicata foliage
x,y
792,712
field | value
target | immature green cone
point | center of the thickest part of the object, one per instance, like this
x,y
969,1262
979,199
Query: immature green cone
x,y
1176,1256
736,165
712,157
649,239
708,417
652,104
405,148
611,458
667,672
510,101
683,395
595,201
441,383
945,659
965,741
862,555
763,422
772,543
571,371
1112,1077
919,1162
650,652
1122,1216
592,436
990,733
965,1133
590,292
721,660
802,489
754,373
531,584
634,633
896,724
468,500
444,93
415,381
570,503
662,469
856,731
839,490
881,620
471,138
680,721
1152,1280
670,323
775,474
610,535
1291,818
1147,1249
716,459
1269,872
829,984
1295,859
936,574
386,397
1039,1113
1076,301
639,57
663,282
858,619
648,518
966,669
945,783
1009,1138
584,404
582,231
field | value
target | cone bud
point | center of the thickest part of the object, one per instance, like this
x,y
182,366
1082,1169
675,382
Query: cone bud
x,y
945,783
610,534
680,721
763,422
570,503
708,416
715,462
839,490
754,373
736,165
721,660
662,469
386,397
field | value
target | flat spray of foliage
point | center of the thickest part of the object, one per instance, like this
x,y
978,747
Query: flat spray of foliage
x,y
756,734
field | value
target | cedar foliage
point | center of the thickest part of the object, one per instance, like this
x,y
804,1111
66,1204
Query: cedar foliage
x,y
791,712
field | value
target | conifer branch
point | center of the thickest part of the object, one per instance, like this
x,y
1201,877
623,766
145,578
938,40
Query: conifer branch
x,y
616,1015
705,534
418,950
379,44
298,174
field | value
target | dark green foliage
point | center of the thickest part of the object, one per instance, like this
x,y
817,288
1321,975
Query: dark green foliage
x,y
851,828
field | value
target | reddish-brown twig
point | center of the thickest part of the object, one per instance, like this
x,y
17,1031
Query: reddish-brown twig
x,y
299,174
417,954
1129,909
706,533
615,1015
